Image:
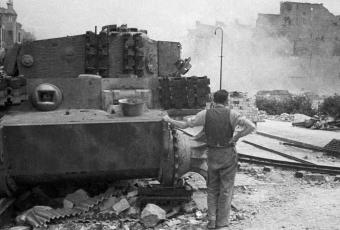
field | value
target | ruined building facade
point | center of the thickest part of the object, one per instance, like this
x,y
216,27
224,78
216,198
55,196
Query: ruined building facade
x,y
10,30
311,28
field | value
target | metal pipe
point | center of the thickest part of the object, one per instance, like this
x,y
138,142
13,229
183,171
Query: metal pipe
x,y
278,153
332,170
221,57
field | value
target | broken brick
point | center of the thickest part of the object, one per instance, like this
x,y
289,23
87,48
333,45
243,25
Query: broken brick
x,y
152,215
121,206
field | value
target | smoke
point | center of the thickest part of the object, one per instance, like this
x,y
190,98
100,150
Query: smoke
x,y
254,61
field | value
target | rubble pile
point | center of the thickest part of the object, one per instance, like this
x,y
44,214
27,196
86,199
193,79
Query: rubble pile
x,y
120,208
316,122
245,105
282,117
301,120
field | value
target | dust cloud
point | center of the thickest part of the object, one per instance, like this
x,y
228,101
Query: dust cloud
x,y
254,62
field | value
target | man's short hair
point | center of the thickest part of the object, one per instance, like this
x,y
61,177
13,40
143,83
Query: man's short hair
x,y
221,96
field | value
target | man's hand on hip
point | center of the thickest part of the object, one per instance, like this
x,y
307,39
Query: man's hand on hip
x,y
166,118
233,141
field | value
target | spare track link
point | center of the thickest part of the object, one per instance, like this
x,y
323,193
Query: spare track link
x,y
43,218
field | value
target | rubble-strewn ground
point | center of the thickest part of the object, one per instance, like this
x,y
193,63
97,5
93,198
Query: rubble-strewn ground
x,y
263,199
285,202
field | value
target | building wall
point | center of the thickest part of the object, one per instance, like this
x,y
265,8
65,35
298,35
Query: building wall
x,y
11,30
310,27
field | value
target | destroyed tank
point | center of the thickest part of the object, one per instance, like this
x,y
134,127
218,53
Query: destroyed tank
x,y
62,120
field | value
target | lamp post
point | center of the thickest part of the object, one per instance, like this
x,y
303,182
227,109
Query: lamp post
x,y
220,28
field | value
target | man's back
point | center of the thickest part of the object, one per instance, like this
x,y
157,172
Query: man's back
x,y
218,128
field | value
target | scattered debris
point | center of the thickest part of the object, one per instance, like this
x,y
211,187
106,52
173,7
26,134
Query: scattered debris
x,y
121,206
173,222
30,216
75,198
189,207
195,181
198,215
20,228
240,216
133,212
131,194
337,178
315,177
152,215
267,169
174,211
277,152
318,122
108,203
200,199
299,174
283,117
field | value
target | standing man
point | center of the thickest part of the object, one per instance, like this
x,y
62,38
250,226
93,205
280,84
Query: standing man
x,y
219,125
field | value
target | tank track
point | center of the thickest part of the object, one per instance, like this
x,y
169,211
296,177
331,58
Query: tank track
x,y
39,218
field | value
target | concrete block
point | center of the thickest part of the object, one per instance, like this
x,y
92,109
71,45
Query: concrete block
x,y
75,198
195,181
121,206
108,203
200,199
152,215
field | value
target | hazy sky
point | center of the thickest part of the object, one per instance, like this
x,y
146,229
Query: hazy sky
x,y
164,19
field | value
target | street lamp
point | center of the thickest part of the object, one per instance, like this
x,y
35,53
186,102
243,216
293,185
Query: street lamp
x,y
220,28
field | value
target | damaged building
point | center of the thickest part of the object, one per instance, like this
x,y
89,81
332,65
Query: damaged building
x,y
311,34
11,31
311,28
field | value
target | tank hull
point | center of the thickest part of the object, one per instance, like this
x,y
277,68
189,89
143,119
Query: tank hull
x,y
82,144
